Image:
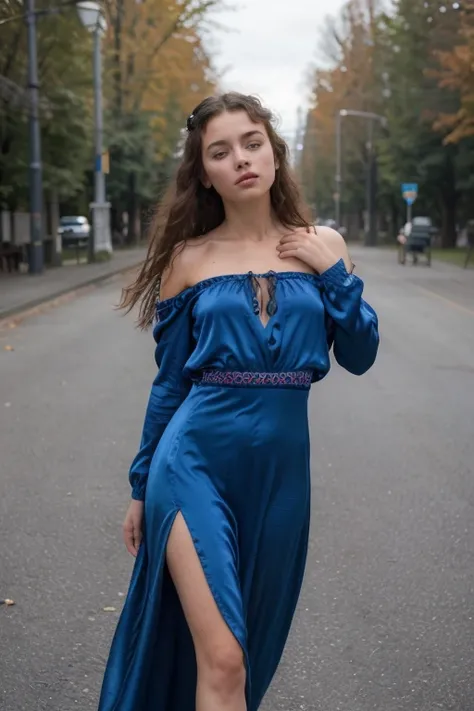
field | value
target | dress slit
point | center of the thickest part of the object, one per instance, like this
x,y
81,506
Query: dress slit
x,y
218,599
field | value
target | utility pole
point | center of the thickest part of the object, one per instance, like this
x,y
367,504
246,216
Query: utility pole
x,y
370,190
36,258
338,180
371,232
91,16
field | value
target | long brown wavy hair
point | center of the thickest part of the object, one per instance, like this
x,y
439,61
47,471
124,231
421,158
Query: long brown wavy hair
x,y
190,210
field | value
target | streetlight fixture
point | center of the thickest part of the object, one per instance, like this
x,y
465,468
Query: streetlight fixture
x,y
371,117
93,19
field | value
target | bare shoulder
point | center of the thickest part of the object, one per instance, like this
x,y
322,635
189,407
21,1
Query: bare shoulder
x,y
336,244
175,277
183,270
333,239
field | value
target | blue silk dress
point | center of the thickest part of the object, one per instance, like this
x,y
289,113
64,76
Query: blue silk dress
x,y
226,443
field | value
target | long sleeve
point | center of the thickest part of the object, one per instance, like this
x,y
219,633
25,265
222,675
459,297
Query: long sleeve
x,y
173,336
352,323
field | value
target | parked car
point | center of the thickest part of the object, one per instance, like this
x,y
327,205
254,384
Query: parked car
x,y
74,230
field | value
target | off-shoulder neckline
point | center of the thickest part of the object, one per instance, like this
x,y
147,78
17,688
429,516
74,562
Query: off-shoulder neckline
x,y
204,283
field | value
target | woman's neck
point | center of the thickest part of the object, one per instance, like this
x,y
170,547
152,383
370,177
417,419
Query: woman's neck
x,y
250,221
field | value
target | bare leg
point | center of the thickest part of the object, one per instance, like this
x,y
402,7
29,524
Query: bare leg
x,y
220,660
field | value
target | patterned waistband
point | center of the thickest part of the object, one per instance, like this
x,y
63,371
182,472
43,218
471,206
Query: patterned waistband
x,y
300,379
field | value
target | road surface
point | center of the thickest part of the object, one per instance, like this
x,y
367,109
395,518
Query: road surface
x,y
385,619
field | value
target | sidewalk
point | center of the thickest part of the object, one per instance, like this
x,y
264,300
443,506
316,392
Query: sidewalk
x,y
19,292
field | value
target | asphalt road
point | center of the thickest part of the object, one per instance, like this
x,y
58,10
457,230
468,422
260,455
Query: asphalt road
x,y
385,619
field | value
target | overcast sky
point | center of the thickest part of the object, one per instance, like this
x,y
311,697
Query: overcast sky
x,y
270,45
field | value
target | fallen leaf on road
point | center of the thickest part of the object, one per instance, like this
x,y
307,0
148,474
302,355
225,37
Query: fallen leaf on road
x,y
7,602
109,609
8,348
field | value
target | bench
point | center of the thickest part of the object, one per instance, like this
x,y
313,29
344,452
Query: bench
x,y
11,256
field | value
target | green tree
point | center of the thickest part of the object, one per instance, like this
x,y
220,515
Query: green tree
x,y
65,78
387,64
412,150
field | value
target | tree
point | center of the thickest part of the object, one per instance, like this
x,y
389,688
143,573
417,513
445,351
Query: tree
x,y
412,150
159,71
155,71
65,77
456,74
348,84
385,63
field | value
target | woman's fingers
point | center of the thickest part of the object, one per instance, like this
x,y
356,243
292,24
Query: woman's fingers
x,y
291,238
285,253
137,535
132,527
129,536
291,248
130,545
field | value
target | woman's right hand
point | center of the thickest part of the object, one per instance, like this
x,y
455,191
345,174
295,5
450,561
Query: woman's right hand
x,y
132,526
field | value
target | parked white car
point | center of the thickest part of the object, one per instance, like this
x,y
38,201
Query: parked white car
x,y
74,230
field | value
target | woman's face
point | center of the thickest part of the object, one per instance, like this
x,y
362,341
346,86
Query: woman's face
x,y
237,157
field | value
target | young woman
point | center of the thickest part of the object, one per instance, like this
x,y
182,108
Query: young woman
x,y
251,301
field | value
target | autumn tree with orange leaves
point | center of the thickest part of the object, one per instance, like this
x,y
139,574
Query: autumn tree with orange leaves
x,y
410,62
457,75
349,83
157,70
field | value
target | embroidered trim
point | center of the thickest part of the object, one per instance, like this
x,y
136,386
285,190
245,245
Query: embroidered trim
x,y
232,378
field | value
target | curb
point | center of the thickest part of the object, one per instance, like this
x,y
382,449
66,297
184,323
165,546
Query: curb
x,y
28,306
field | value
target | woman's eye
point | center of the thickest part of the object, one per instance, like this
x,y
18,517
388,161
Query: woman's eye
x,y
219,156
254,146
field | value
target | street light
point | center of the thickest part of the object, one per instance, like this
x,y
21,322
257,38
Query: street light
x,y
93,19
337,196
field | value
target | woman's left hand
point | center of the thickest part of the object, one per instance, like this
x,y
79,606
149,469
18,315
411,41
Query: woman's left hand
x,y
319,251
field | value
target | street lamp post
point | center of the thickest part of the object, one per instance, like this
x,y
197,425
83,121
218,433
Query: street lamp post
x,y
338,185
370,234
91,15
371,117
35,258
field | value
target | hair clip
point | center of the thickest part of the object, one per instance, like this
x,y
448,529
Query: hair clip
x,y
191,123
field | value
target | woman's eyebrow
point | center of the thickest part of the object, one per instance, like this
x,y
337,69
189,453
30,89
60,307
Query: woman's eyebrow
x,y
244,136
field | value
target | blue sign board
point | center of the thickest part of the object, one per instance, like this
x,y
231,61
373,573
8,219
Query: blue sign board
x,y
410,192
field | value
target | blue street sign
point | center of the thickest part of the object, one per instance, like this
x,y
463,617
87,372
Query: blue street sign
x,y
410,192
98,163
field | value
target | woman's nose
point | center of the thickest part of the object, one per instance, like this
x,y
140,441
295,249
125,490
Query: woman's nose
x,y
241,160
